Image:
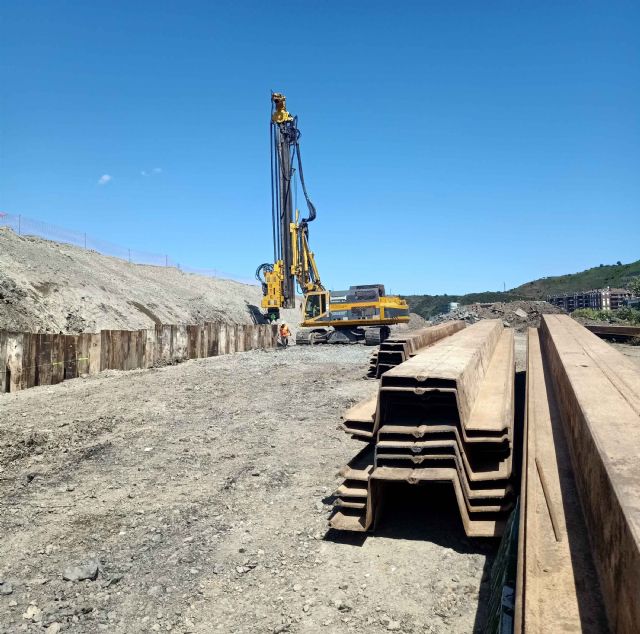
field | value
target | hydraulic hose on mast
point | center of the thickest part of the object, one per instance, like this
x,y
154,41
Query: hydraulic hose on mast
x,y
285,149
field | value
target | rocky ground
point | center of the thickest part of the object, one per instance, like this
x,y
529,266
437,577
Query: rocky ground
x,y
195,498
631,351
519,315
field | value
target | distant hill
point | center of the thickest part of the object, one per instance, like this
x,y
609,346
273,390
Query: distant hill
x,y
614,275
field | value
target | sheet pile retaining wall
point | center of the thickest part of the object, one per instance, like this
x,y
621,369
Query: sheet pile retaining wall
x,y
30,359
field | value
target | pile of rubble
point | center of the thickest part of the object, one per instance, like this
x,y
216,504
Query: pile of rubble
x,y
518,315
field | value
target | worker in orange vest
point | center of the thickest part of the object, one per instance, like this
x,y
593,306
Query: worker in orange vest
x,y
285,333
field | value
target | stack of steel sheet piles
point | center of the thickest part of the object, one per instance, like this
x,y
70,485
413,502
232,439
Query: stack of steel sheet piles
x,y
358,421
579,557
373,365
445,415
404,345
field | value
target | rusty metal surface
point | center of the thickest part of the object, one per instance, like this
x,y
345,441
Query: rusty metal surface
x,y
358,420
404,345
598,395
611,330
416,431
556,578
458,364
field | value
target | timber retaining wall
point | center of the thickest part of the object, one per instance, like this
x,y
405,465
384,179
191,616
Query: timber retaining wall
x,y
30,359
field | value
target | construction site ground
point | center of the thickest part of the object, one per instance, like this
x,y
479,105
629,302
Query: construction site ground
x,y
202,491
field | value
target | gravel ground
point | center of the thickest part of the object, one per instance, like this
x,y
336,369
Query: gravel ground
x,y
201,492
633,352
518,314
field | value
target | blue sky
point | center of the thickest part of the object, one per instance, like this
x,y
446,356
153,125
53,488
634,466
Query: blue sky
x,y
448,146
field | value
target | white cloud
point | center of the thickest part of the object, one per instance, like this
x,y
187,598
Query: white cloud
x,y
104,179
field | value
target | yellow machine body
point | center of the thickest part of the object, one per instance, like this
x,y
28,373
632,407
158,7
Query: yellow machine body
x,y
385,311
317,307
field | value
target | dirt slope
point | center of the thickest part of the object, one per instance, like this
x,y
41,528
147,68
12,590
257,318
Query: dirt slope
x,y
51,287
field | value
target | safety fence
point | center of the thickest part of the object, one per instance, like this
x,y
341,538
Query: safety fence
x,y
25,226
31,359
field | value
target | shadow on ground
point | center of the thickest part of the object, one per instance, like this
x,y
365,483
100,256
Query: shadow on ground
x,y
427,512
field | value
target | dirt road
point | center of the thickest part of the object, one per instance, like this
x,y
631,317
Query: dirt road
x,y
202,493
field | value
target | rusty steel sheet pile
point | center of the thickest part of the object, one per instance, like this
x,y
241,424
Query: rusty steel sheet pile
x,y
579,553
444,415
404,345
554,555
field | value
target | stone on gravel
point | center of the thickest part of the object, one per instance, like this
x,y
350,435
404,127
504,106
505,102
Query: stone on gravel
x,y
81,573
5,588
33,613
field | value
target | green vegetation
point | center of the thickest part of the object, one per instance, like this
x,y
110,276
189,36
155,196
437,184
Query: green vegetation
x,y
628,316
592,314
634,286
614,275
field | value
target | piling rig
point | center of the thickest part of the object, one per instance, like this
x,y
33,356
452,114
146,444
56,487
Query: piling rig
x,y
361,314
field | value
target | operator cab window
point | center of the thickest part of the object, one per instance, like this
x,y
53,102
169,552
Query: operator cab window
x,y
315,306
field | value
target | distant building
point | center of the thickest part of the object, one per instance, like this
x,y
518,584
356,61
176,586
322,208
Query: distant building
x,y
453,306
600,299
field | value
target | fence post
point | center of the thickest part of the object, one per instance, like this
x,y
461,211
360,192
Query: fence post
x,y
85,241
166,260
129,256
19,223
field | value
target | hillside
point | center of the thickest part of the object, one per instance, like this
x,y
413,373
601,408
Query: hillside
x,y
614,275
50,287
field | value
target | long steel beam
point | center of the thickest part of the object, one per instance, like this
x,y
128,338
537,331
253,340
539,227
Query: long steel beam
x,y
598,396
620,332
556,587
458,363
403,345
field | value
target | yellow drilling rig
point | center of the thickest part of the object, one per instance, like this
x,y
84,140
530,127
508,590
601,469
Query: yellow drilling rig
x,y
361,314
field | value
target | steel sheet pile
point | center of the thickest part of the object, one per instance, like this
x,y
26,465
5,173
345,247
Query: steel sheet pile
x,y
444,415
404,345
